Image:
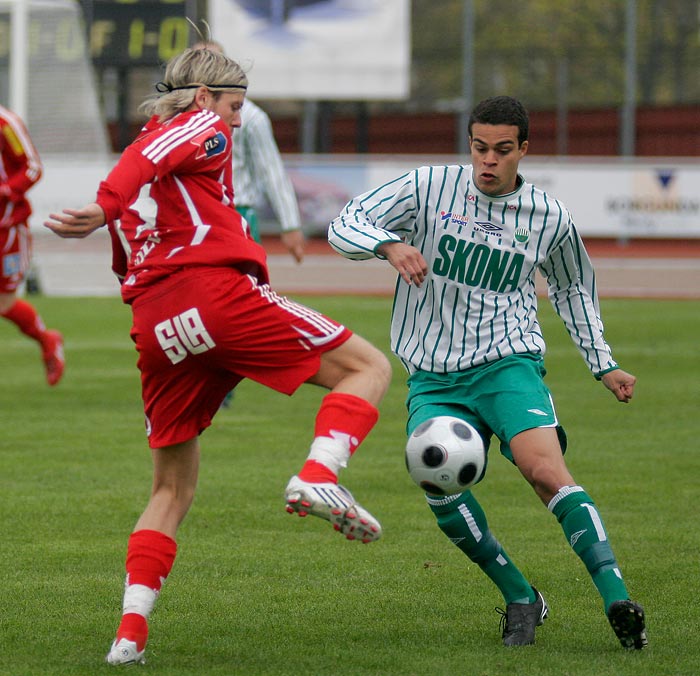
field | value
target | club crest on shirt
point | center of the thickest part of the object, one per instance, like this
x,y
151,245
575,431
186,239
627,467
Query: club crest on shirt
x,y
210,145
522,235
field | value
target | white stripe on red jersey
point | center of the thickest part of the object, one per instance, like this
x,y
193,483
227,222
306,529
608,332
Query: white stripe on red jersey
x,y
157,150
180,216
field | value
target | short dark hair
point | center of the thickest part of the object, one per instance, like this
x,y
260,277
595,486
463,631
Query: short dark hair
x,y
502,110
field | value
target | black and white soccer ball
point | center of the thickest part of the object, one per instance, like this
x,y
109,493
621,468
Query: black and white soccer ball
x,y
445,455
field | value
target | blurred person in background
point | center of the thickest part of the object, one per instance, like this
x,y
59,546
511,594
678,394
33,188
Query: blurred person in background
x,y
467,241
258,173
20,169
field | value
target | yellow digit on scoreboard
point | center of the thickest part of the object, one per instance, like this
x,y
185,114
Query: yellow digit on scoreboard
x,y
137,31
173,37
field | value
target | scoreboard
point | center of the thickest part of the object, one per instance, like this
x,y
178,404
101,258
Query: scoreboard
x,y
136,32
121,33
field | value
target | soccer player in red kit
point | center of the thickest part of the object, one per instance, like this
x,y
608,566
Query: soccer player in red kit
x,y
20,169
205,317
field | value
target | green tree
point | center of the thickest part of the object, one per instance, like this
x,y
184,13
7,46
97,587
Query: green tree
x,y
523,48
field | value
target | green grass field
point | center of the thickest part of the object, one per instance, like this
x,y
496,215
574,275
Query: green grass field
x,y
255,591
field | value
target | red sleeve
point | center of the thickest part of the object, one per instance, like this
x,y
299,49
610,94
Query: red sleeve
x,y
189,152
124,182
25,168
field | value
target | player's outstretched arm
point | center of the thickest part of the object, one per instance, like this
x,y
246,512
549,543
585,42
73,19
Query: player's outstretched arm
x,y
620,383
77,222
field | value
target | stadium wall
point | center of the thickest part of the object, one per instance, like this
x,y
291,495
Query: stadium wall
x,y
661,132
672,131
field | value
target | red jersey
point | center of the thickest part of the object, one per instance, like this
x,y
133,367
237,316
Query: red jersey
x,y
20,169
169,202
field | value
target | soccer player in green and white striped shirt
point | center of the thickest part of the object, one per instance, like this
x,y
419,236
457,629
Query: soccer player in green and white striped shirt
x,y
467,241
259,174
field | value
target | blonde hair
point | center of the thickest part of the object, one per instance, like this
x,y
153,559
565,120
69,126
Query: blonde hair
x,y
188,71
209,44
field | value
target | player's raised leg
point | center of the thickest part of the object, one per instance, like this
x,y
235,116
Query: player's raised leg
x,y
358,376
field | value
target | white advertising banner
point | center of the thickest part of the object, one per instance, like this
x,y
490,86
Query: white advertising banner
x,y
606,197
318,49
610,198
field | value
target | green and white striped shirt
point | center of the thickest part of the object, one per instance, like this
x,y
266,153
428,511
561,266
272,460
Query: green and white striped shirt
x,y
478,302
258,169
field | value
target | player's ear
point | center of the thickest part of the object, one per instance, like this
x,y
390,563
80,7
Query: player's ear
x,y
523,148
202,97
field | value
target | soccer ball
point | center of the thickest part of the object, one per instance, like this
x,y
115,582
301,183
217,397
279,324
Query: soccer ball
x,y
445,455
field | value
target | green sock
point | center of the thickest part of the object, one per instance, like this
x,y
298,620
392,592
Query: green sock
x,y
464,522
586,534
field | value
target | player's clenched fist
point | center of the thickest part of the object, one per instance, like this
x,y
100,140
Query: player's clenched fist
x,y
620,383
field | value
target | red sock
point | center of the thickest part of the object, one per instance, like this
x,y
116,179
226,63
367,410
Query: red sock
x,y
27,319
343,418
317,473
149,559
133,627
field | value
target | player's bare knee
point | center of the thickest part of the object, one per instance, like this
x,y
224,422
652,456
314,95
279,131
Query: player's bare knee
x,y
359,355
546,480
381,367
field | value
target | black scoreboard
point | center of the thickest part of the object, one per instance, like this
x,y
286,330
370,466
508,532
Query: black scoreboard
x,y
120,33
136,32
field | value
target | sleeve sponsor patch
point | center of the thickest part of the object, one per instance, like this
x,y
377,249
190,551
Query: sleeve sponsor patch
x,y
210,144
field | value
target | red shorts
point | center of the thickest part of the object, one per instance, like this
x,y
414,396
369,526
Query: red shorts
x,y
202,330
15,256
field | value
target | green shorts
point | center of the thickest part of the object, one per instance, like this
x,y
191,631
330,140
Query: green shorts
x,y
251,215
502,398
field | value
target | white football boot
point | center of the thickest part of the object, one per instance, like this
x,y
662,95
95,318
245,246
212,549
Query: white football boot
x,y
125,652
333,503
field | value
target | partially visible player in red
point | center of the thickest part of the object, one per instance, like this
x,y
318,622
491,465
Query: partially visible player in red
x,y
20,169
205,317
